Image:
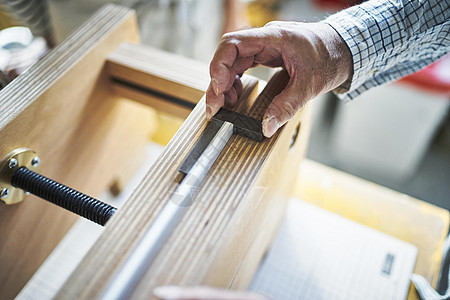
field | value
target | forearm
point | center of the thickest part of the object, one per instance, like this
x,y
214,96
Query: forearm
x,y
391,39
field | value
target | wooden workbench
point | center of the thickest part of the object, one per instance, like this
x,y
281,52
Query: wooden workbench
x,y
82,125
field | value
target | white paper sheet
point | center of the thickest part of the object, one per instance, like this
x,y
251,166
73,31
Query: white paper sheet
x,y
321,255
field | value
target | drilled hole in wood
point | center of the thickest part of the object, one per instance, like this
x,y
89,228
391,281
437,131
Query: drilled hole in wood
x,y
295,135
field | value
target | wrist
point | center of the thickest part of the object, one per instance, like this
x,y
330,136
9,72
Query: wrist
x,y
339,63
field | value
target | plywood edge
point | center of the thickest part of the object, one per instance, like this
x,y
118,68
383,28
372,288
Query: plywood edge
x,y
157,70
258,221
14,99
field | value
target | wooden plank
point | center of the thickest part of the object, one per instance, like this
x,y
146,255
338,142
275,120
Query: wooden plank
x,y
63,108
155,102
138,70
152,77
225,232
404,217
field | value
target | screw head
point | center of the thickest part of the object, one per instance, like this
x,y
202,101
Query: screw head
x,y
36,161
12,163
4,193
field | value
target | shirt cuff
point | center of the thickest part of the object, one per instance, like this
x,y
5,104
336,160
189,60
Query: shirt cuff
x,y
350,25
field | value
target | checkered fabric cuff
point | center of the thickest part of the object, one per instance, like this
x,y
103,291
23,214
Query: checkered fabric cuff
x,y
391,39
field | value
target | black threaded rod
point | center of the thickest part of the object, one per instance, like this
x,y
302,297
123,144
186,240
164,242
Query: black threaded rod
x,y
61,195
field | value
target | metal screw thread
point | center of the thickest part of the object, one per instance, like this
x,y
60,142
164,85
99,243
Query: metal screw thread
x,y
61,195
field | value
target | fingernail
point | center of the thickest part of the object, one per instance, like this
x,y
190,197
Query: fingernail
x,y
167,292
208,112
269,126
215,85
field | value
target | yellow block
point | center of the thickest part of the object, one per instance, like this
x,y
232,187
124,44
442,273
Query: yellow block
x,y
399,215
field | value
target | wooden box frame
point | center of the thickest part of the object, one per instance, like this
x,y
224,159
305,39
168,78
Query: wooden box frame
x,y
70,107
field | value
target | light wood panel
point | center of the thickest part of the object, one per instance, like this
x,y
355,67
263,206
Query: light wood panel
x,y
227,229
137,68
404,217
63,108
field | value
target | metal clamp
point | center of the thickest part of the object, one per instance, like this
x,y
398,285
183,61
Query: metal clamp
x,y
21,157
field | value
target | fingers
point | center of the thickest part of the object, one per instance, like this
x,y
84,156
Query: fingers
x,y
234,55
202,293
238,84
283,107
242,64
316,58
232,96
213,102
220,67
228,99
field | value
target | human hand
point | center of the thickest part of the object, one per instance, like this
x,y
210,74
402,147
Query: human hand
x,y
203,293
314,55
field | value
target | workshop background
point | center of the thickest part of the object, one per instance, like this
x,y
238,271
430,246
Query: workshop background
x,y
397,135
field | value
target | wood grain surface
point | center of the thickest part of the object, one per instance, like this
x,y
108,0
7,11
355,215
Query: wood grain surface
x,y
63,108
226,231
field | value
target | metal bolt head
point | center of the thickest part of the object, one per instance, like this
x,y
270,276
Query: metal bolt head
x,y
12,163
4,193
36,161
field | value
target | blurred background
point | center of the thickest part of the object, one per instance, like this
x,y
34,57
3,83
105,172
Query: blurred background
x,y
397,135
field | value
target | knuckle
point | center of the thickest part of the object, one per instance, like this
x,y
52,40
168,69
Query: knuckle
x,y
279,29
277,34
209,93
284,33
289,108
273,23
228,38
214,68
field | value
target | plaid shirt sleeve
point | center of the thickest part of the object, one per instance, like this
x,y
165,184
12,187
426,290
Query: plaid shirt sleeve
x,y
390,39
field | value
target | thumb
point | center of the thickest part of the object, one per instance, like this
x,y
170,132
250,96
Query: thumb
x,y
282,109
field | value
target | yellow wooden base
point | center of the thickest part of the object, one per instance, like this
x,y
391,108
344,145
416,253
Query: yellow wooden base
x,y
409,219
